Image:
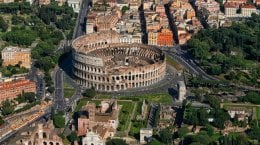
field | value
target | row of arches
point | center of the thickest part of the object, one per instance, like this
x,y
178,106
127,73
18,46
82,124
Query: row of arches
x,y
128,77
118,87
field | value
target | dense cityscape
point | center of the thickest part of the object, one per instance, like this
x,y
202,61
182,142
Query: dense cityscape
x,y
129,72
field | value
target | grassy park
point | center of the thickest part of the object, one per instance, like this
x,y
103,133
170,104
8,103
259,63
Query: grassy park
x,y
163,98
173,63
125,113
68,90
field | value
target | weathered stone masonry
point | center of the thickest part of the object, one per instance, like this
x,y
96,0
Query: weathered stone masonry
x,y
99,60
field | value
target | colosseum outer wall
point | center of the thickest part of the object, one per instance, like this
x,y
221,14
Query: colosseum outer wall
x,y
114,67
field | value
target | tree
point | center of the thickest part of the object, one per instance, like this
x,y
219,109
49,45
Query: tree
x,y
202,138
17,20
215,70
59,121
221,116
51,89
214,101
3,25
210,130
166,136
89,93
20,36
191,115
202,116
29,96
241,139
73,137
116,142
252,97
1,120
196,143
155,142
182,132
7,108
254,132
124,9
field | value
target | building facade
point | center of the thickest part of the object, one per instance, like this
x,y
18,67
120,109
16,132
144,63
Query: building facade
x,y
101,120
247,10
165,38
6,1
230,9
181,90
107,22
152,38
75,4
92,139
16,55
100,61
145,134
40,134
10,90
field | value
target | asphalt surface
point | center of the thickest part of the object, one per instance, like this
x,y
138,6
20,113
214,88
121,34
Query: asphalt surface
x,y
59,100
186,60
81,20
38,79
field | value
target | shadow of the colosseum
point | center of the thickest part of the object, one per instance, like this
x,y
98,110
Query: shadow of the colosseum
x,y
173,93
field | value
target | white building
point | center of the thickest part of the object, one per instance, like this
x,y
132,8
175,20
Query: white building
x,y
137,38
235,111
247,10
145,134
126,38
6,1
181,90
92,139
30,1
89,27
75,4
231,9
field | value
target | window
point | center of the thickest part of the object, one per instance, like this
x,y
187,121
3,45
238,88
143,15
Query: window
x,y
44,135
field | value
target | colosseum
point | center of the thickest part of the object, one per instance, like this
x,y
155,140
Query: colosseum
x,y
99,60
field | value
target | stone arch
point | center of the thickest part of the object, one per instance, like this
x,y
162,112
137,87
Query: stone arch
x,y
44,135
30,143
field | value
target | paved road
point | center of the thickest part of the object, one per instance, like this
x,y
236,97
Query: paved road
x,y
59,101
79,30
186,60
5,140
40,83
80,24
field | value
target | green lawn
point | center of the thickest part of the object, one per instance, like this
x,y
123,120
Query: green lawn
x,y
84,101
81,103
68,90
125,113
173,63
258,113
136,126
163,98
216,136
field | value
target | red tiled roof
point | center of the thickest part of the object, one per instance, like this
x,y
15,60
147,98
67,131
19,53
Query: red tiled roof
x,y
248,6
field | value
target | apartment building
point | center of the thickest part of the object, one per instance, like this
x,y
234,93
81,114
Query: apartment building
x,y
15,55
